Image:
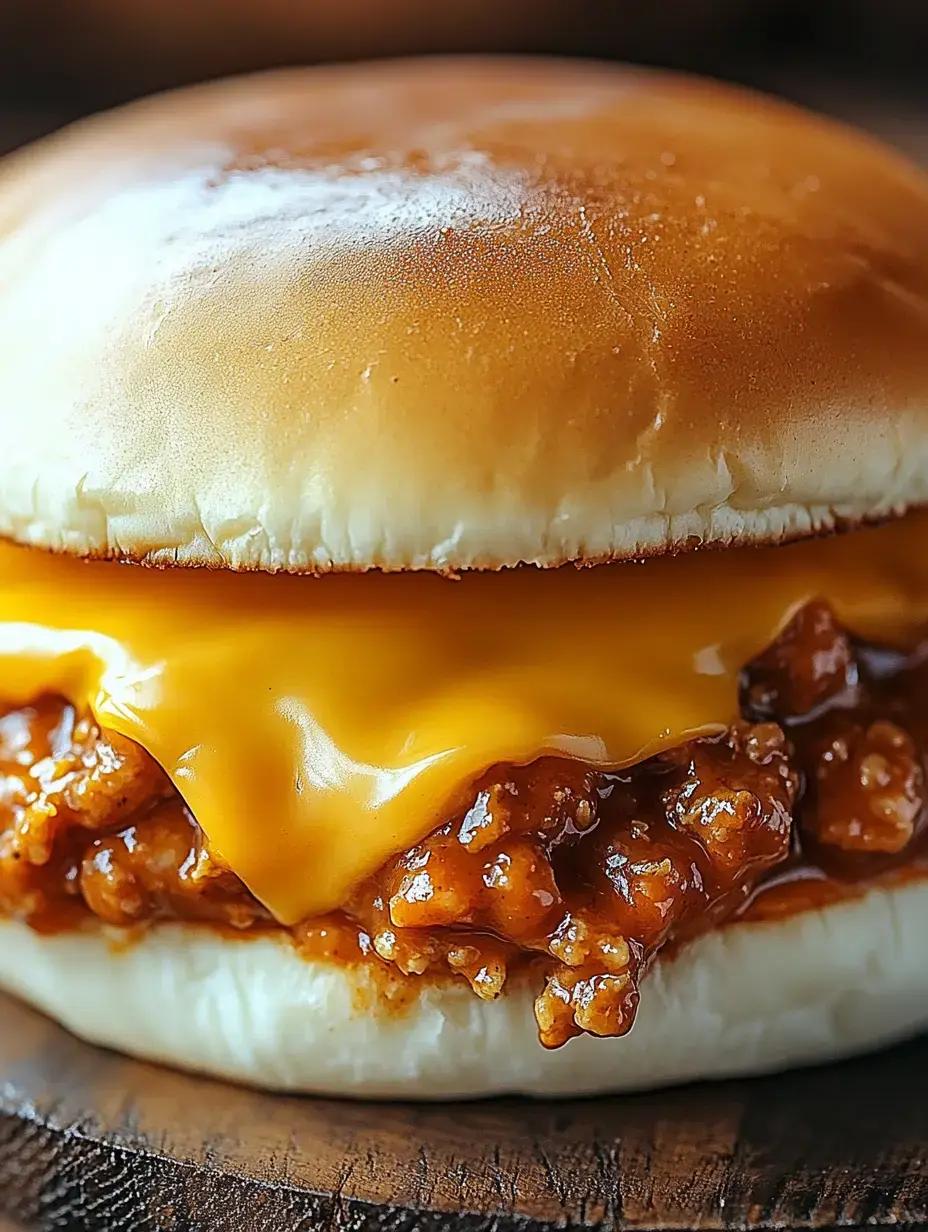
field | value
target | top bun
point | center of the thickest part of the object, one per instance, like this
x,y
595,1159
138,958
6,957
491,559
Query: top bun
x,y
457,314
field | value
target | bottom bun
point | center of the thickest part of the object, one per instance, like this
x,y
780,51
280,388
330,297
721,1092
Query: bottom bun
x,y
744,999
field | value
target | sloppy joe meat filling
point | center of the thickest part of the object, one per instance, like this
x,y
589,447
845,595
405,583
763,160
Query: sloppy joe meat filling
x,y
819,788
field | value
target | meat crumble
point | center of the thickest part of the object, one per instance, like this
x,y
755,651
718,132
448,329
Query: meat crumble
x,y
583,873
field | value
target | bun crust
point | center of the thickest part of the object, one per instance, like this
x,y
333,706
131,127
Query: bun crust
x,y
742,1000
457,314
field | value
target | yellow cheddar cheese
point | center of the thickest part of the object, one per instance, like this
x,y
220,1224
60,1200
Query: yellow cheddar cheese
x,y
315,725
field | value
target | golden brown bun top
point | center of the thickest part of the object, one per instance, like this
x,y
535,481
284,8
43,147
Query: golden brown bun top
x,y
454,314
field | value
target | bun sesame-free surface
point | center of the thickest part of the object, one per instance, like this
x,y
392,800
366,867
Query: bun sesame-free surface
x,y
743,999
457,314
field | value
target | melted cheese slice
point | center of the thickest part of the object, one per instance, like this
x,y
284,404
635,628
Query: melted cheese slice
x,y
315,726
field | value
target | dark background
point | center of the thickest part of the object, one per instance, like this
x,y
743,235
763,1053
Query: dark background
x,y
863,59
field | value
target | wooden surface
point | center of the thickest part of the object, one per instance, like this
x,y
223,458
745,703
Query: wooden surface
x,y
89,1140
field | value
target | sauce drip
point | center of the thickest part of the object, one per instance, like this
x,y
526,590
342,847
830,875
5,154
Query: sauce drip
x,y
317,726
816,793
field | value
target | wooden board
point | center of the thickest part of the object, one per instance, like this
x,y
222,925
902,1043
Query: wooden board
x,y
89,1140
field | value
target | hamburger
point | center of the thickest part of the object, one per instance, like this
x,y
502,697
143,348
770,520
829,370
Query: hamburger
x,y
429,663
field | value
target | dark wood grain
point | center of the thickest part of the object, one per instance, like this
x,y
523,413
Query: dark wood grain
x,y
89,1140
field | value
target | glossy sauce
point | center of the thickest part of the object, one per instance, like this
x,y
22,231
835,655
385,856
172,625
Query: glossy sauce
x,y
317,726
579,875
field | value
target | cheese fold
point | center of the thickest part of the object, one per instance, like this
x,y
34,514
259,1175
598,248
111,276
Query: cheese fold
x,y
317,725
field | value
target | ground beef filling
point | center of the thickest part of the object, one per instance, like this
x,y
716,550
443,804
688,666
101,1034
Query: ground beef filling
x,y
584,874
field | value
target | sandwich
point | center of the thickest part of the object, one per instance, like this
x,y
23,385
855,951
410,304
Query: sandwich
x,y
463,590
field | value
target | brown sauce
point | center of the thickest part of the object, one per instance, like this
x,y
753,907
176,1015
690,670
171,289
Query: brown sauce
x,y
817,794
